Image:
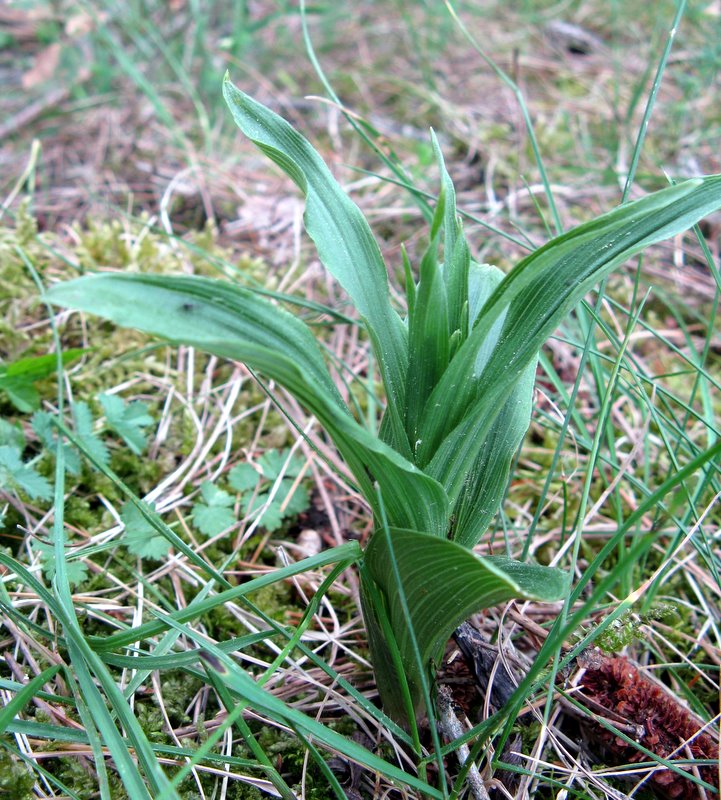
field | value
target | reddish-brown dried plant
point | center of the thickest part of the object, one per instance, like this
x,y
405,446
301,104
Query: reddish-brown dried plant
x,y
661,724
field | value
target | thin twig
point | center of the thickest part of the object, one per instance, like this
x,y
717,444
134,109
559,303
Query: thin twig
x,y
452,730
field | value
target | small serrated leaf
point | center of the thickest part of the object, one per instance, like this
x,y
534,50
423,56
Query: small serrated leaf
x,y
215,514
75,569
298,501
77,572
84,430
15,474
212,520
271,463
141,538
127,420
12,435
214,496
42,424
243,477
273,516
270,518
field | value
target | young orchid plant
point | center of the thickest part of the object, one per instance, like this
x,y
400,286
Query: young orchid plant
x,y
458,370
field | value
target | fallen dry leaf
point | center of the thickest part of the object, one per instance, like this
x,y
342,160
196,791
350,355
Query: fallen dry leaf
x,y
46,62
80,24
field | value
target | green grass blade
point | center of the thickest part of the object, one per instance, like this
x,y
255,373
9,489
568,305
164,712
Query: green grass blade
x,y
240,682
214,660
367,132
604,585
651,101
513,86
45,730
181,658
58,733
16,686
383,719
252,743
83,660
347,553
122,758
25,695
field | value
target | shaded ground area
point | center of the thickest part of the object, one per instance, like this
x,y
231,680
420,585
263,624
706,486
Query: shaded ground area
x,y
126,103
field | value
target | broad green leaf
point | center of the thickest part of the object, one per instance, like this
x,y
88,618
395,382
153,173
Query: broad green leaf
x,y
18,377
455,250
525,309
481,496
428,340
444,583
232,322
410,282
344,240
483,492
201,312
